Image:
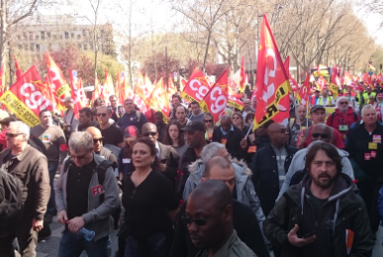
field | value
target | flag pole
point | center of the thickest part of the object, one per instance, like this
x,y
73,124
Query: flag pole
x,y
250,128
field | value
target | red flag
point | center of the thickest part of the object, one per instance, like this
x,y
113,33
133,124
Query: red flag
x,y
123,89
51,94
19,72
78,94
321,82
143,88
159,99
196,88
293,83
233,100
304,93
27,97
2,80
243,75
272,94
97,89
61,87
108,88
367,79
171,88
216,99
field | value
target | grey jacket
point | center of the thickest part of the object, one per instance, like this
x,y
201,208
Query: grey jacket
x,y
243,185
298,163
98,216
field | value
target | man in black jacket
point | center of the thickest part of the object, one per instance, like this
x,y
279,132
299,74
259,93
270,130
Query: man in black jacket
x,y
323,215
232,137
244,220
270,165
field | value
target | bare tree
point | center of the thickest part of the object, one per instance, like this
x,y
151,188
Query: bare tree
x,y
372,6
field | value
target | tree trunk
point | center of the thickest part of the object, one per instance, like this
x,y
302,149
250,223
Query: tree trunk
x,y
206,51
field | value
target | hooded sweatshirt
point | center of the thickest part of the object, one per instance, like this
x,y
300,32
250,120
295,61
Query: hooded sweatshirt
x,y
298,164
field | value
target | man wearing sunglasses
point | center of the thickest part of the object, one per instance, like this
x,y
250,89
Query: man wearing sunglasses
x,y
209,216
56,151
111,134
320,132
270,165
31,167
83,200
343,117
318,116
100,150
166,154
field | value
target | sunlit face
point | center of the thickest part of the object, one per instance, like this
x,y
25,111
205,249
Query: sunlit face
x,y
175,101
173,132
129,106
369,116
113,101
237,120
318,116
15,140
195,109
301,112
103,116
46,119
141,156
82,157
180,114
84,119
246,104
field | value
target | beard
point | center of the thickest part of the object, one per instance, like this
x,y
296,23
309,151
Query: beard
x,y
324,180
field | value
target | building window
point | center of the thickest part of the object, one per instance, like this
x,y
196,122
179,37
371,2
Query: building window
x,y
25,36
84,32
78,36
79,46
66,35
72,35
31,47
48,35
85,47
55,37
37,37
42,35
37,47
25,47
30,36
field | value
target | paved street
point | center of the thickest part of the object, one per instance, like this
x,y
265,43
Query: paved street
x,y
49,247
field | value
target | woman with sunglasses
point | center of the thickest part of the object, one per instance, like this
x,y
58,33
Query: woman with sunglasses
x,y
174,137
125,164
239,123
208,122
150,205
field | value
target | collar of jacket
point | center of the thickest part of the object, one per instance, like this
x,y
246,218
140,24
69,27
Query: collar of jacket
x,y
22,154
288,148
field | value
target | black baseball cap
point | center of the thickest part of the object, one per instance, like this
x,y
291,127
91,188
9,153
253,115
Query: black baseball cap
x,y
317,107
194,126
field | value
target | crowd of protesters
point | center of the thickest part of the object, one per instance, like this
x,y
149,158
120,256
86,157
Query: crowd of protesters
x,y
195,186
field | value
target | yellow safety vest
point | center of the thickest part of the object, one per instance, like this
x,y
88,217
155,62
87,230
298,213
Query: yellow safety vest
x,y
366,95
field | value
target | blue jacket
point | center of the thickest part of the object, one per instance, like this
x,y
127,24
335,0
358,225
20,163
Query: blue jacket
x,y
380,203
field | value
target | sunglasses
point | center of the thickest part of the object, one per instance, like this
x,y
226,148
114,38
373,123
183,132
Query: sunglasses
x,y
95,140
101,114
316,135
150,134
343,102
200,222
79,157
208,121
12,135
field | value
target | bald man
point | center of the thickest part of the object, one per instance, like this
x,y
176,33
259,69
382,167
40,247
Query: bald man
x,y
232,137
297,124
166,154
244,220
209,219
111,134
320,132
100,150
270,165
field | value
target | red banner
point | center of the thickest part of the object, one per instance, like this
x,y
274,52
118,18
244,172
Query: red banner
x,y
27,97
272,94
19,72
304,93
159,100
61,87
233,100
293,84
108,88
216,99
196,88
78,94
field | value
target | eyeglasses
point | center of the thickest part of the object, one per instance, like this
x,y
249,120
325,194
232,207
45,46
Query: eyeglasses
x,y
343,102
101,114
316,135
150,134
12,135
200,222
95,140
78,157
236,118
208,121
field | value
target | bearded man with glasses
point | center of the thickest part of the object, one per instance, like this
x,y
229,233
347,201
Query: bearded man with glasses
x,y
319,133
83,200
343,117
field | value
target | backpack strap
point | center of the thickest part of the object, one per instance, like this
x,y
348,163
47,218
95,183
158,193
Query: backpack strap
x,y
101,170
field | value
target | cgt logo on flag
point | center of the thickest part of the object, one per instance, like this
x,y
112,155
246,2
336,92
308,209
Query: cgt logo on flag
x,y
97,190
